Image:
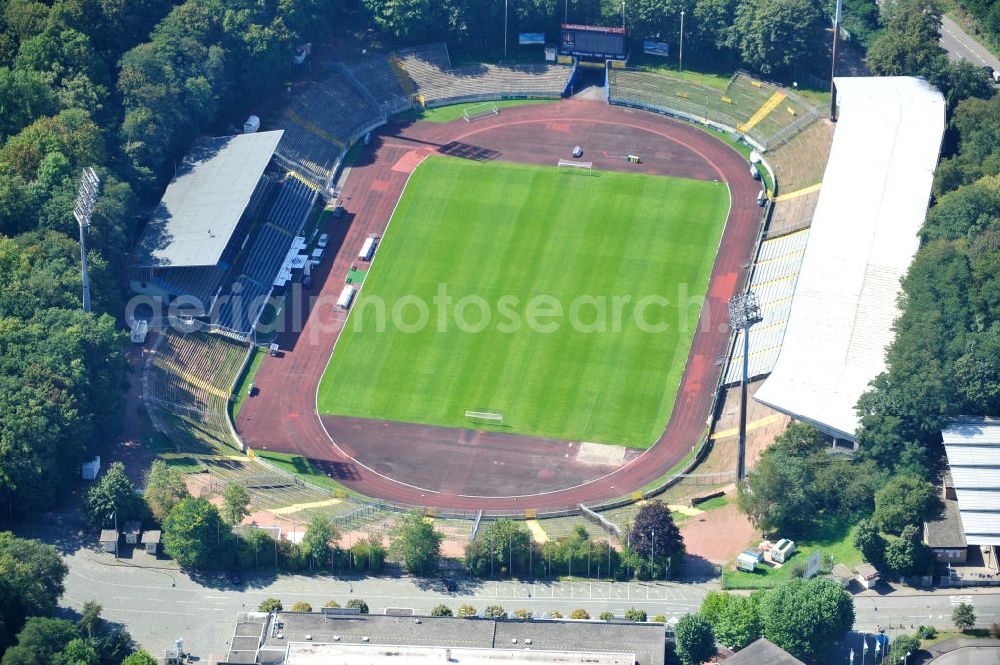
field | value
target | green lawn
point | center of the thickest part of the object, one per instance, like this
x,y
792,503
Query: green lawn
x,y
301,467
519,240
456,111
244,383
837,545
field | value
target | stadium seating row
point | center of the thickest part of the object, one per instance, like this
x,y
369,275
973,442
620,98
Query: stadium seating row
x,y
437,85
293,202
385,80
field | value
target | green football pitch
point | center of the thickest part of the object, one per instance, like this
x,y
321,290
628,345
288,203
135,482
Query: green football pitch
x,y
565,302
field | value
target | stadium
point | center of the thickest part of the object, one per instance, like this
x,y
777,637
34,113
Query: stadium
x,y
306,341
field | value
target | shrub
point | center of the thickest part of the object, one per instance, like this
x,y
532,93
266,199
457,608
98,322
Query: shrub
x,y
495,612
302,606
270,605
523,614
633,614
659,618
606,616
331,603
579,613
358,604
441,611
926,632
905,644
555,614
995,630
466,611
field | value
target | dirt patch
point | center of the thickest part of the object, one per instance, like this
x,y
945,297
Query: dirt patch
x,y
718,535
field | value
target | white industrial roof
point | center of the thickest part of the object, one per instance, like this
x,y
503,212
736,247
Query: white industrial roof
x,y
773,280
204,202
863,236
304,653
973,449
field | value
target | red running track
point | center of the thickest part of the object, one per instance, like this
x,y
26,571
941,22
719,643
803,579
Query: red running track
x,y
459,469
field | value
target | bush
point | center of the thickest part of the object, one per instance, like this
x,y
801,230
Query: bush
x,y
495,612
995,631
466,611
579,613
606,616
441,611
358,604
905,644
555,614
926,632
523,614
302,606
660,618
270,605
331,603
633,614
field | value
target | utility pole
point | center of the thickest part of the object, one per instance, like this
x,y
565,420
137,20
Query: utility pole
x,y
86,199
680,58
833,61
744,311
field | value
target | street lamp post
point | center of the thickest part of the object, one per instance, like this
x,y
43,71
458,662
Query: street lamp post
x,y
680,58
744,311
905,658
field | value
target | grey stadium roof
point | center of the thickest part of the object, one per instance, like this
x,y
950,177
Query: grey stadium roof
x,y
973,449
204,202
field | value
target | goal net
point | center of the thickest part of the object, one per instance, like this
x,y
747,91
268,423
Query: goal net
x,y
566,165
478,111
484,417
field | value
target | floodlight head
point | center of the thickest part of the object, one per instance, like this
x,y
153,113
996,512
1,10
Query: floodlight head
x,y
744,310
86,197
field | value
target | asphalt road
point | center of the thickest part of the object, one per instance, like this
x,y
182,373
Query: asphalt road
x,y
159,605
961,46
970,656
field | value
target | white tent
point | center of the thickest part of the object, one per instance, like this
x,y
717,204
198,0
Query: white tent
x,y
872,202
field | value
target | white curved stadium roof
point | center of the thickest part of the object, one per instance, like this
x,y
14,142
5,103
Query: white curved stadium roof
x,y
863,237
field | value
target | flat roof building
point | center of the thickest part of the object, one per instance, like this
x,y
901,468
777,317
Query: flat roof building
x,y
972,445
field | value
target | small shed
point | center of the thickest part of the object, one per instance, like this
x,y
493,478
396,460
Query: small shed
x,y
842,575
91,469
748,560
132,531
868,575
151,541
782,550
109,541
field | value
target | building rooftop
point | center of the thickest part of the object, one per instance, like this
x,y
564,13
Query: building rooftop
x,y
204,202
760,652
306,653
945,530
972,445
150,537
642,642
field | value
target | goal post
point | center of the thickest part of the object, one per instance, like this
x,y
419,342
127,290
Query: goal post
x,y
569,166
484,418
477,111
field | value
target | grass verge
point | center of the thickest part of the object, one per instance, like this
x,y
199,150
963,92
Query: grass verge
x,y
303,468
456,111
244,383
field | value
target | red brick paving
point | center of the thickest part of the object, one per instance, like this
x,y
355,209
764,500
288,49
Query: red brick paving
x,y
460,470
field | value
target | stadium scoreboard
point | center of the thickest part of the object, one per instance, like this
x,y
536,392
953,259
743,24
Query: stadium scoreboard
x,y
589,41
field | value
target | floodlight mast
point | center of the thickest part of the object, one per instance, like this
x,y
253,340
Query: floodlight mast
x,y
744,311
86,199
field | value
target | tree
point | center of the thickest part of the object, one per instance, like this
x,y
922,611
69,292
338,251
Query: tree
x,y
165,488
195,536
633,614
25,96
695,641
41,640
870,542
654,536
90,618
911,42
320,532
416,543
140,657
804,617
78,652
235,503
270,605
905,644
772,36
579,613
31,582
904,500
441,611
907,554
964,616
302,606
113,495
359,604
735,619
369,553
503,544
466,611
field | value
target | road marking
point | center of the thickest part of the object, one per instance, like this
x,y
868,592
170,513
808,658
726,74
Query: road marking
x,y
763,422
798,192
298,507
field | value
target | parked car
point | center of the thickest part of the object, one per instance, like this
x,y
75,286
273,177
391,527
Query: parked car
x,y
323,240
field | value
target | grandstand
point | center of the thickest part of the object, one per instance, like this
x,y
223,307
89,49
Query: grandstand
x,y
433,79
222,231
766,114
388,84
321,123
